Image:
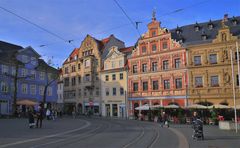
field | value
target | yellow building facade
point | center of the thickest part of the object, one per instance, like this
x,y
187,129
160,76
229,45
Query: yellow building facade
x,y
209,66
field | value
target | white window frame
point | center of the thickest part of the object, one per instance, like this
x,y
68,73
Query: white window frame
x,y
24,88
33,89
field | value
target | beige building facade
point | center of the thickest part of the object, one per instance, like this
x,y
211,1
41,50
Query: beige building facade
x,y
81,75
114,83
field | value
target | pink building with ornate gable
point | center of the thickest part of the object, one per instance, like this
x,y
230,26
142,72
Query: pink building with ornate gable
x,y
157,70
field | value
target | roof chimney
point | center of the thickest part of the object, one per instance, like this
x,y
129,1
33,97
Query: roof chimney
x,y
225,17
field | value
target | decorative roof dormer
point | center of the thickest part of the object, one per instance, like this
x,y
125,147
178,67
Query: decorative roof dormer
x,y
178,30
210,25
234,21
204,35
197,27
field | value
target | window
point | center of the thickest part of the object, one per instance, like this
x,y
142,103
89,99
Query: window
x,y
106,78
66,81
97,91
166,84
121,76
154,47
87,78
144,49
50,76
114,91
197,60
25,58
42,75
135,86
33,61
73,81
154,66
120,63
107,91
32,89
153,33
90,92
134,68
197,28
85,92
213,58
155,85
66,70
105,66
214,81
198,82
113,64
33,74
113,77
24,88
4,69
73,68
49,91
24,72
87,63
79,66
237,78
236,55
121,91
4,87
79,79
79,92
164,45
177,63
145,86
165,65
178,83
144,67
97,78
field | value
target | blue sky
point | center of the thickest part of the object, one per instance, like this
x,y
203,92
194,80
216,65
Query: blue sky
x,y
74,19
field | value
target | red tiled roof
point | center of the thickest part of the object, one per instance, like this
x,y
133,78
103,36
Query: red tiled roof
x,y
106,40
126,49
72,55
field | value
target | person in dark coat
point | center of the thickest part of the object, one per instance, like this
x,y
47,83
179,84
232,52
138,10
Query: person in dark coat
x,y
31,117
39,117
164,120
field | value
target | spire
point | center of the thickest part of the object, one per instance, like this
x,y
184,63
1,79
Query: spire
x,y
154,15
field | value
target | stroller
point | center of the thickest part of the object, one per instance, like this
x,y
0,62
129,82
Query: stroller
x,y
198,129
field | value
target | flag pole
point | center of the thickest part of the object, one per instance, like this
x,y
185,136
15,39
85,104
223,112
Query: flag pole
x,y
238,60
234,95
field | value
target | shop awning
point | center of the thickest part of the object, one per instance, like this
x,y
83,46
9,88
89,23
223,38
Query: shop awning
x,y
26,102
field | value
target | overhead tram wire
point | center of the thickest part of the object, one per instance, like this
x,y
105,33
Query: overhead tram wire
x,y
125,13
36,25
132,23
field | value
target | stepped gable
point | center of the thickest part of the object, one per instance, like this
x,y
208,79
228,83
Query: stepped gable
x,y
190,36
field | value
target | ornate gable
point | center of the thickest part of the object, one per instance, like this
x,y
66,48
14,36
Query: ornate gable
x,y
224,34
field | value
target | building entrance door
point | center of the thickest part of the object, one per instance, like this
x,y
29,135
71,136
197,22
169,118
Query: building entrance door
x,y
107,110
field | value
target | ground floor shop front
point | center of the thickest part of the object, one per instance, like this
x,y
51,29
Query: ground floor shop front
x,y
114,109
133,103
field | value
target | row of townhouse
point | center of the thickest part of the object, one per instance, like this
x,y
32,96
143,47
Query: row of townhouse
x,y
186,65
25,66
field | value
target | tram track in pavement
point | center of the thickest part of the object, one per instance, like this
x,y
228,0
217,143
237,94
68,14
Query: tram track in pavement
x,y
74,139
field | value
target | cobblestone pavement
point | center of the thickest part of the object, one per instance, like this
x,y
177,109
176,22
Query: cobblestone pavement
x,y
109,133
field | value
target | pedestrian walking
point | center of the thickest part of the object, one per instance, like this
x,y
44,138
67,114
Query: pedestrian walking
x,y
31,116
164,119
40,114
74,113
197,127
48,114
